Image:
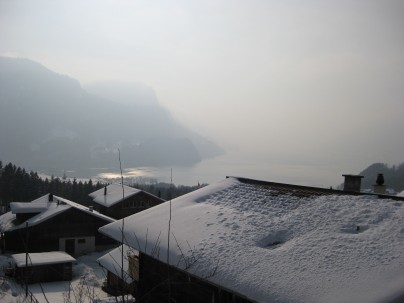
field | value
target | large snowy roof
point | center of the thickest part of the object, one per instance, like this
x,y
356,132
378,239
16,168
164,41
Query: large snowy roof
x,y
52,209
35,259
112,261
279,243
114,194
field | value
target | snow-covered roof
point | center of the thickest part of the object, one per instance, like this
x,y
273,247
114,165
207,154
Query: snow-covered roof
x,y
84,209
114,194
24,207
35,259
279,244
54,208
112,261
401,194
7,221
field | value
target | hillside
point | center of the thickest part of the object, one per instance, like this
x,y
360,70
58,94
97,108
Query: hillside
x,y
393,176
48,121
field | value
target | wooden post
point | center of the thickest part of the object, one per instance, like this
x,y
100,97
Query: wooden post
x,y
26,260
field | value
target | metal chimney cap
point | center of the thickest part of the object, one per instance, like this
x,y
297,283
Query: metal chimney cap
x,y
380,179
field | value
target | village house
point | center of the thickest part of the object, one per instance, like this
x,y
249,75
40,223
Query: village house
x,y
51,223
42,267
120,277
117,201
243,240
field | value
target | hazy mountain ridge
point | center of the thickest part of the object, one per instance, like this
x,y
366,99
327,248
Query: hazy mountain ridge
x,y
49,120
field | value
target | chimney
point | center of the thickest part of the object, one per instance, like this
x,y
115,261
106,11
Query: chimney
x,y
105,190
352,182
50,198
91,208
379,187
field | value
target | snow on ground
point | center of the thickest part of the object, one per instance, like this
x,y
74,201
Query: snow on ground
x,y
274,247
86,270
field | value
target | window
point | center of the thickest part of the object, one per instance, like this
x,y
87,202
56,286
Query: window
x,y
81,241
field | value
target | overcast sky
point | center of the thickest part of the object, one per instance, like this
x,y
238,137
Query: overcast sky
x,y
312,83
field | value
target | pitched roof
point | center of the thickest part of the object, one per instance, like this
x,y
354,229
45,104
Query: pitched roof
x,y
52,209
23,207
278,242
112,261
114,194
44,258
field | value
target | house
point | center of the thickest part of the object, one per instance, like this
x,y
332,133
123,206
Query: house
x,y
51,223
243,240
120,277
117,201
42,267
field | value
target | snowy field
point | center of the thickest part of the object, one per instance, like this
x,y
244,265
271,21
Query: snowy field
x,y
85,287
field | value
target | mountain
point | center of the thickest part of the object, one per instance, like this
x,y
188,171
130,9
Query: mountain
x,y
48,121
393,176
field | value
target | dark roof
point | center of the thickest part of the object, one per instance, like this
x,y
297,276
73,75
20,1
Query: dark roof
x,y
306,191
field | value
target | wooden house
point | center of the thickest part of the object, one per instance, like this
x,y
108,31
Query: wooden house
x,y
42,267
120,277
117,201
243,240
52,223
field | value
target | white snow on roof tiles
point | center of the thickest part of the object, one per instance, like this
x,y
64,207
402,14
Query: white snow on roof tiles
x,y
23,207
52,211
84,209
114,194
112,261
6,221
35,259
54,208
280,248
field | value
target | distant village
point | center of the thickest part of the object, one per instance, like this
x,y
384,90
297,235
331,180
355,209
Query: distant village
x,y
224,242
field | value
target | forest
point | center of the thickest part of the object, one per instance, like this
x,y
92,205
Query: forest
x,y
18,185
393,176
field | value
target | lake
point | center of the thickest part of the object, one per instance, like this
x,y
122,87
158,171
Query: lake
x,y
230,164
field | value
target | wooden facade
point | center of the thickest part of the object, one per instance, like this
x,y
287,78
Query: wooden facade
x,y
115,286
183,287
65,231
44,273
129,206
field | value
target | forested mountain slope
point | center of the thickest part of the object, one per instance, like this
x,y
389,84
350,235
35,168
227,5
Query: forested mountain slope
x,y
393,176
49,120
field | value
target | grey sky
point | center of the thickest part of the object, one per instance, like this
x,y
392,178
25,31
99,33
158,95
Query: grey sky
x,y
304,82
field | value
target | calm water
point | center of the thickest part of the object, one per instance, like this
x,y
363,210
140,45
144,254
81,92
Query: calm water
x,y
231,164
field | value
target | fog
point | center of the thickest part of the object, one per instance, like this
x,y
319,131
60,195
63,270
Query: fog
x,y
313,85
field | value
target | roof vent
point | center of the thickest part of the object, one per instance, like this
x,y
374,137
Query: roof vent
x,y
91,208
352,182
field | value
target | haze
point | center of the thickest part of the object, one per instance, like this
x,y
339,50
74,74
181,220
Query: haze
x,y
313,85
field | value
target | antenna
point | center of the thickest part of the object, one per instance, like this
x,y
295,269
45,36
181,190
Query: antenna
x,y
123,219
168,241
